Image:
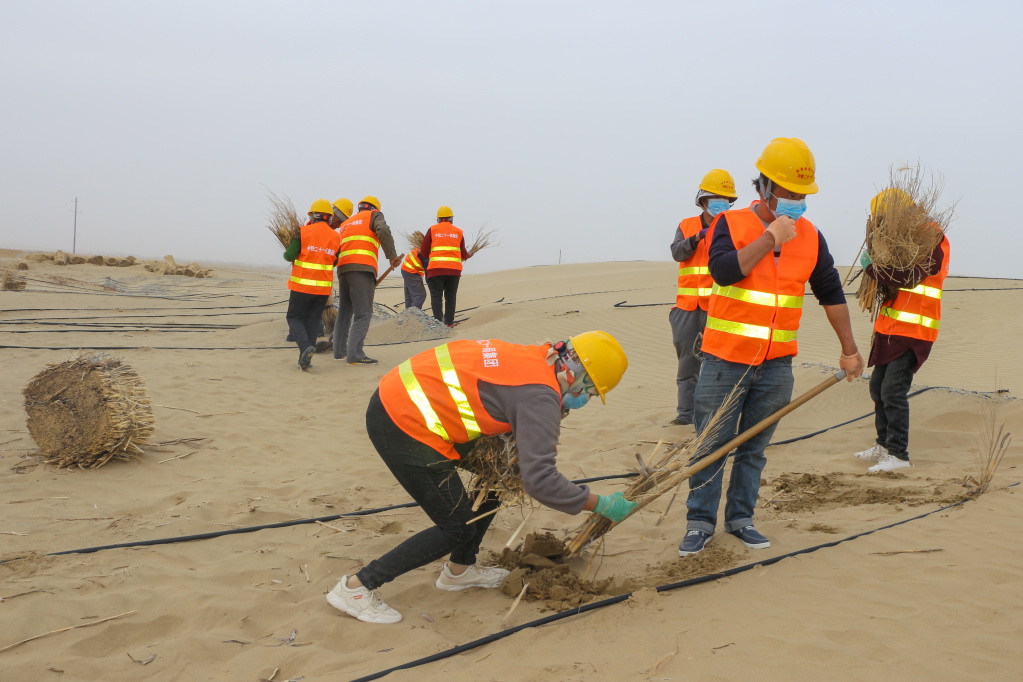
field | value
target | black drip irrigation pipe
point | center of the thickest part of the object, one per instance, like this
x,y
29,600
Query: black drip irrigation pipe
x,y
626,304
620,598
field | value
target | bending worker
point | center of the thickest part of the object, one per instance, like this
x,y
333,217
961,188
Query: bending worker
x,y
443,252
412,272
687,318
761,259
424,417
904,332
362,235
313,255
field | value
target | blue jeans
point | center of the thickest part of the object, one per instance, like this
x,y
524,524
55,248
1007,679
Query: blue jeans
x,y
889,389
763,390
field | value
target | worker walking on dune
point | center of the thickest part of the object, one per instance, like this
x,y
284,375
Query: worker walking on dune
x,y
443,252
904,332
412,272
313,255
761,259
689,249
424,418
362,235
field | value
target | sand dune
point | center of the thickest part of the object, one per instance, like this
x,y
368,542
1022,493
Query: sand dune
x,y
244,438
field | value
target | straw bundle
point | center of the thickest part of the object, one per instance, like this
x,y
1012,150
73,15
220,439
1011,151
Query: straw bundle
x,y
903,232
12,281
493,468
414,239
664,474
87,411
484,239
284,221
329,316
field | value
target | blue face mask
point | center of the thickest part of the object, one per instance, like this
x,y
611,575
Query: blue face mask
x,y
715,206
573,401
793,208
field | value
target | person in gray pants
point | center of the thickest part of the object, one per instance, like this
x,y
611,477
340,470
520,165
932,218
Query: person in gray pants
x,y
689,316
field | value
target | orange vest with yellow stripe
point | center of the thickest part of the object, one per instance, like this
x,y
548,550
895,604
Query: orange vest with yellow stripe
x,y
694,281
757,318
412,264
434,396
312,271
445,247
916,312
359,243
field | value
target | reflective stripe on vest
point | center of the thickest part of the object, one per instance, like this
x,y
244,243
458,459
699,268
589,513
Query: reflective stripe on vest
x,y
704,270
450,376
312,282
313,266
759,297
437,249
361,252
685,291
929,292
911,318
751,330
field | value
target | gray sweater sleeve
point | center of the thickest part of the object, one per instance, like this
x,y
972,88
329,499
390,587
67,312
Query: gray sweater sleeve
x,y
534,412
683,248
383,232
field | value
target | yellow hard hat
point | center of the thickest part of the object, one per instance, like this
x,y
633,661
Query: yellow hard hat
x,y
370,199
321,206
788,162
344,207
719,182
893,197
603,359
445,212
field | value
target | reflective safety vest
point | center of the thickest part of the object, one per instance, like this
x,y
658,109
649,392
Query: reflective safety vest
x,y
756,319
412,264
694,281
359,243
916,312
445,247
312,271
434,396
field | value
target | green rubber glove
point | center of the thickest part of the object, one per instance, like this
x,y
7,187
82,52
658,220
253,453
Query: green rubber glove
x,y
865,259
614,506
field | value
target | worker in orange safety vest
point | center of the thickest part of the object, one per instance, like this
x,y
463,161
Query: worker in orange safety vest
x,y
689,249
426,415
313,254
904,332
761,259
443,252
412,272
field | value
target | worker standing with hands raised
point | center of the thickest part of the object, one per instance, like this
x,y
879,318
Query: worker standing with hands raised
x,y
761,259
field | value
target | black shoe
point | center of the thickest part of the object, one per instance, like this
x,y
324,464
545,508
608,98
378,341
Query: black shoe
x,y
693,542
680,422
305,360
362,361
324,346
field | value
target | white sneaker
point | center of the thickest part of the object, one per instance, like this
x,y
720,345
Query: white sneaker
x,y
475,576
362,603
888,462
873,453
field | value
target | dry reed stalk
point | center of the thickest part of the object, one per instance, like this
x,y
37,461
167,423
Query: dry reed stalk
x,y
414,239
902,234
484,239
11,281
72,627
329,316
993,441
87,411
493,467
284,222
658,476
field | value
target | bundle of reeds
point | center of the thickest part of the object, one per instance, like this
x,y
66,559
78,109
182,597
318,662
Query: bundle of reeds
x,y
329,316
284,222
902,232
11,281
665,472
493,468
484,239
87,411
414,239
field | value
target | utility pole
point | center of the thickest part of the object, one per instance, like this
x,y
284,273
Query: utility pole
x,y
74,237
559,256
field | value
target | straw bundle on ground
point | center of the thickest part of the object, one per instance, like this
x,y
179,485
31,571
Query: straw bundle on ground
x,y
493,467
903,230
329,316
284,221
11,281
664,473
87,411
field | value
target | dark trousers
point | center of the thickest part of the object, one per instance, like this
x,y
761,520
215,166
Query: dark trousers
x,y
305,317
355,291
686,328
430,478
415,292
443,289
889,389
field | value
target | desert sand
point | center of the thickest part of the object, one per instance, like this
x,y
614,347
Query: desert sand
x,y
244,438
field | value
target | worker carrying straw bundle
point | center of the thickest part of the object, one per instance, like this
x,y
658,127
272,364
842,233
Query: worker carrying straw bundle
x,y
904,267
426,415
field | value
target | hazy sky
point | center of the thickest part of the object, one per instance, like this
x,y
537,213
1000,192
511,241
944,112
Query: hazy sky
x,y
574,127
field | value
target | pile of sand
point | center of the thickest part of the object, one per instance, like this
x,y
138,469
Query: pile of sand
x,y
409,325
